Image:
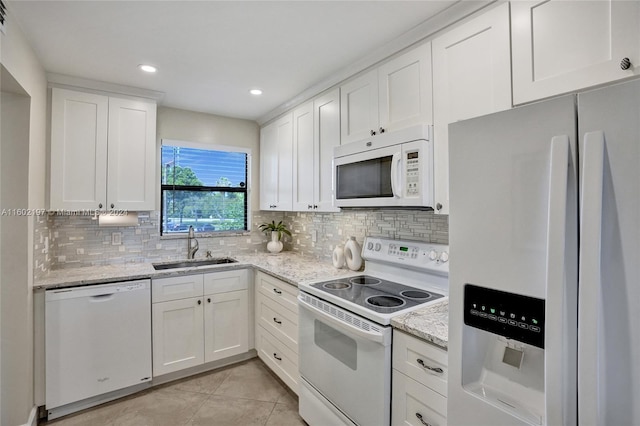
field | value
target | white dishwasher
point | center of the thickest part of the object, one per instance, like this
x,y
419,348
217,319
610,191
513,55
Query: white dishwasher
x,y
98,340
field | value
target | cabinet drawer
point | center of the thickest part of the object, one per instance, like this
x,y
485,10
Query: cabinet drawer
x,y
278,357
415,404
420,360
279,291
174,288
280,322
222,282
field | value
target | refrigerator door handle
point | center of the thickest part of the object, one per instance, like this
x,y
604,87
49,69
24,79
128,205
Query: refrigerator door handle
x,y
560,375
589,309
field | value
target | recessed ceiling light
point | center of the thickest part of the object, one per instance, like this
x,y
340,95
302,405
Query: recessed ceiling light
x,y
255,92
147,68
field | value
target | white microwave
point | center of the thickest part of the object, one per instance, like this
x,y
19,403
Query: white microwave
x,y
387,170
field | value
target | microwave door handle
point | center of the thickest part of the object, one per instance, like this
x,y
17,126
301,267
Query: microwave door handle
x,y
396,181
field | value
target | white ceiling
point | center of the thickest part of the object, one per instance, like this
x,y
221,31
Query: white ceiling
x,y
210,53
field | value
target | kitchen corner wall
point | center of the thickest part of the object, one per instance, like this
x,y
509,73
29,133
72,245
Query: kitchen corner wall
x,y
63,241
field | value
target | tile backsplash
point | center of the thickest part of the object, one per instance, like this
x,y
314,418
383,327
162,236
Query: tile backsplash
x,y
63,241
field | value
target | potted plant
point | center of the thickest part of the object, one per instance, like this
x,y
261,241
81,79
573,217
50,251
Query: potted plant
x,y
275,230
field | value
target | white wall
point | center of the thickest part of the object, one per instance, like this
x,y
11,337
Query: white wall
x,y
26,139
206,128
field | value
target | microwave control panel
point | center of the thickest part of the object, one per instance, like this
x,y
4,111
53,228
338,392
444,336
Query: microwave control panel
x,y
513,316
412,178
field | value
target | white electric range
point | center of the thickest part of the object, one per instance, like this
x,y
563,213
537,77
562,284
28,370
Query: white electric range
x,y
345,332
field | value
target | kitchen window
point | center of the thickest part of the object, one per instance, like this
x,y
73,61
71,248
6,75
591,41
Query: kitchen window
x,y
204,186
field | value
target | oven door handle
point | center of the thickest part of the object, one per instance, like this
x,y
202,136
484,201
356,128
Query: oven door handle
x,y
381,338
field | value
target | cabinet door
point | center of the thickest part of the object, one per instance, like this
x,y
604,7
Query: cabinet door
x,y
562,46
178,330
413,404
304,159
268,166
226,325
461,91
405,90
326,133
359,108
78,150
276,165
132,155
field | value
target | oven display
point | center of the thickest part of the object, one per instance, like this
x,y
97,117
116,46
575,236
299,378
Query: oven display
x,y
403,251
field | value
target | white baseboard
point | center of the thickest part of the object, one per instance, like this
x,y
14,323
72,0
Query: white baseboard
x,y
33,417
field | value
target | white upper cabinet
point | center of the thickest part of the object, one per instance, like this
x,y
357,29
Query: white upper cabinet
x,y
276,164
131,183
359,107
404,90
316,130
326,136
393,96
304,158
102,152
563,46
471,77
78,150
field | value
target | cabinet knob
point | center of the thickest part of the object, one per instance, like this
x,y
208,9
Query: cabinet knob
x,y
275,355
625,63
276,291
100,205
373,133
208,300
199,302
112,205
438,206
381,130
315,206
276,320
309,206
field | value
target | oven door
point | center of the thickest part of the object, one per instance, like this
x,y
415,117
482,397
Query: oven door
x,y
347,359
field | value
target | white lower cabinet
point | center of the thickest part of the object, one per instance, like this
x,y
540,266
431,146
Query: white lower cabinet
x,y
277,327
226,331
419,381
191,330
415,404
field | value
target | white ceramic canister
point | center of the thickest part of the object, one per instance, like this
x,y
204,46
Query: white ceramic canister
x,y
338,257
352,254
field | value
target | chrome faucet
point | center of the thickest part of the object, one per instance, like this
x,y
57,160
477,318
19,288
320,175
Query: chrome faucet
x,y
191,249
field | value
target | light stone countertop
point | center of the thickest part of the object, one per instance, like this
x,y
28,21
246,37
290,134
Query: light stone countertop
x,y
287,266
430,323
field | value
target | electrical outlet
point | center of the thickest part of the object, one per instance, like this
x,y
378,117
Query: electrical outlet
x,y
116,238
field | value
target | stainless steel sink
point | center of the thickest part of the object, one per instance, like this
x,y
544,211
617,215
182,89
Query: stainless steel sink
x,y
193,263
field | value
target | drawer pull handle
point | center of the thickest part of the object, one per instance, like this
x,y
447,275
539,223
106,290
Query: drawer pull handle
x,y
419,416
276,320
277,357
276,291
434,369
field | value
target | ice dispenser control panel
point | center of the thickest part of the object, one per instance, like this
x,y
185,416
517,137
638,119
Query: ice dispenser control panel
x,y
513,316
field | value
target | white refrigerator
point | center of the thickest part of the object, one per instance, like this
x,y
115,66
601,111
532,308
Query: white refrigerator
x,y
544,319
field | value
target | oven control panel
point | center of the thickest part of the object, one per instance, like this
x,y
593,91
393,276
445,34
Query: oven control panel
x,y
417,254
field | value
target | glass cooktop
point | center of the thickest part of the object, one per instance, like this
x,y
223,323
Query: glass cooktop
x,y
376,294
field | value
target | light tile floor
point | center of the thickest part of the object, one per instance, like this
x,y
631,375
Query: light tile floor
x,y
244,394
